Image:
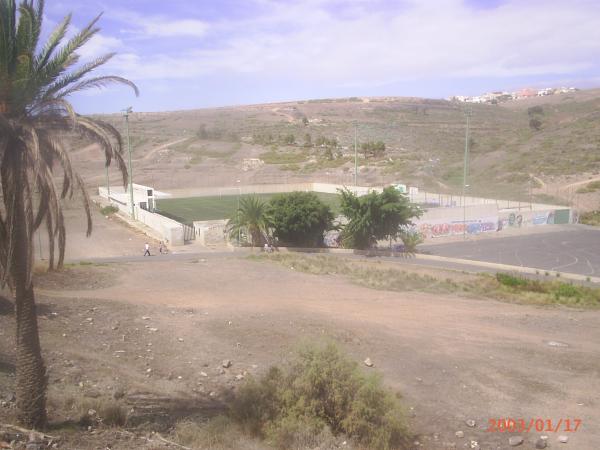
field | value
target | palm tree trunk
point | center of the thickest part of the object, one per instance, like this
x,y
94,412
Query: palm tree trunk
x,y
31,379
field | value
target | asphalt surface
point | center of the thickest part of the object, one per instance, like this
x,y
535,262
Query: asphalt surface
x,y
576,250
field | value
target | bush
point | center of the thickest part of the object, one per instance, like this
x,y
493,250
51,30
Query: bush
x,y
299,219
322,392
590,218
375,216
109,210
411,239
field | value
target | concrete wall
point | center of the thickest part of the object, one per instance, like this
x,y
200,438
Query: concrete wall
x,y
439,222
518,219
170,230
167,229
211,232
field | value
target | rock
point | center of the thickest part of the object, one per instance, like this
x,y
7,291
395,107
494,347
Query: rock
x,y
226,363
203,374
470,423
239,377
11,398
180,339
541,443
459,434
563,439
368,362
514,441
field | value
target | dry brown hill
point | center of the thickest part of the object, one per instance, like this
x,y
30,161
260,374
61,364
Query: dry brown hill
x,y
424,141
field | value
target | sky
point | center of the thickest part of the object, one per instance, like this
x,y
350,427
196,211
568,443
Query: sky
x,y
187,54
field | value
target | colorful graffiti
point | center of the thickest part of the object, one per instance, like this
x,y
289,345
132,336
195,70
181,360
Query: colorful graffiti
x,y
452,228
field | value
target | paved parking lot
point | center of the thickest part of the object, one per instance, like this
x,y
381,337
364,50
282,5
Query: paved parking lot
x,y
574,250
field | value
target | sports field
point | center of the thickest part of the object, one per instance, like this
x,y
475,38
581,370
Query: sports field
x,y
190,209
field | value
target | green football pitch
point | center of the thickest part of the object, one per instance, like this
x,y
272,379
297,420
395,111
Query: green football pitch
x,y
187,210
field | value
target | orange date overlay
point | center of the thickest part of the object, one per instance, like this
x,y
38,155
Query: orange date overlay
x,y
539,425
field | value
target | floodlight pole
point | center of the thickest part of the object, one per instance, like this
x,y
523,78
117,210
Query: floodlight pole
x,y
107,184
355,157
239,189
468,113
126,113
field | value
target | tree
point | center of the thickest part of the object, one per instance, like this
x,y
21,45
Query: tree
x,y
251,219
35,82
307,140
535,124
373,149
300,219
375,216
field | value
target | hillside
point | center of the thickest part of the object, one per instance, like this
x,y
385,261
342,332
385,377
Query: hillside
x,y
424,142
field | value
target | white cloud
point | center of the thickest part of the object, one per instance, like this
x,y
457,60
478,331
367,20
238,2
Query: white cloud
x,y
99,45
364,45
142,26
173,28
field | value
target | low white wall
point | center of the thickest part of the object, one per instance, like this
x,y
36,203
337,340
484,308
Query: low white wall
x,y
211,232
169,229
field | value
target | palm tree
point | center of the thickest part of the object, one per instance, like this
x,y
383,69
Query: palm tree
x,y
250,218
35,82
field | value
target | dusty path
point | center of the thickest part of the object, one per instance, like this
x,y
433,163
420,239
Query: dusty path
x,y
154,151
452,358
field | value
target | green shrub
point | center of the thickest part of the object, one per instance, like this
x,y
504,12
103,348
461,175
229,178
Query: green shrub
x,y
109,210
299,219
567,290
321,392
510,280
590,218
411,239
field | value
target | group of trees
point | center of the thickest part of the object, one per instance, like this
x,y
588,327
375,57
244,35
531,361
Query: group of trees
x,y
329,145
373,149
269,139
297,219
301,219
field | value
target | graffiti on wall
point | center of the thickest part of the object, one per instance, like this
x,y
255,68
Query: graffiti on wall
x,y
527,218
433,230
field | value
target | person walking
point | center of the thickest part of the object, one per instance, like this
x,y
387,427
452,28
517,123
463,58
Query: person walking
x,y
147,249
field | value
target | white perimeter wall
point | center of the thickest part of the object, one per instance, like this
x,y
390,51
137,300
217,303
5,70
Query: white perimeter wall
x,y
169,230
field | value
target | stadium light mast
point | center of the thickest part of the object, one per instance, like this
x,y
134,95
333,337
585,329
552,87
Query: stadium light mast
x,y
468,113
126,113
355,157
239,189
107,184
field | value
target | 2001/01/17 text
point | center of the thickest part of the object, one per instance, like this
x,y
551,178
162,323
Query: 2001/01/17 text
x,y
508,425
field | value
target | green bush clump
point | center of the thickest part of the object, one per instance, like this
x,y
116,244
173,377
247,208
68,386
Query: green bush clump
x,y
590,218
322,393
109,210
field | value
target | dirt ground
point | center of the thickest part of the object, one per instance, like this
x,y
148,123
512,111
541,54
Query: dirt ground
x,y
158,330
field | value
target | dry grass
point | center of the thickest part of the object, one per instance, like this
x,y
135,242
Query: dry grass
x,y
378,275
